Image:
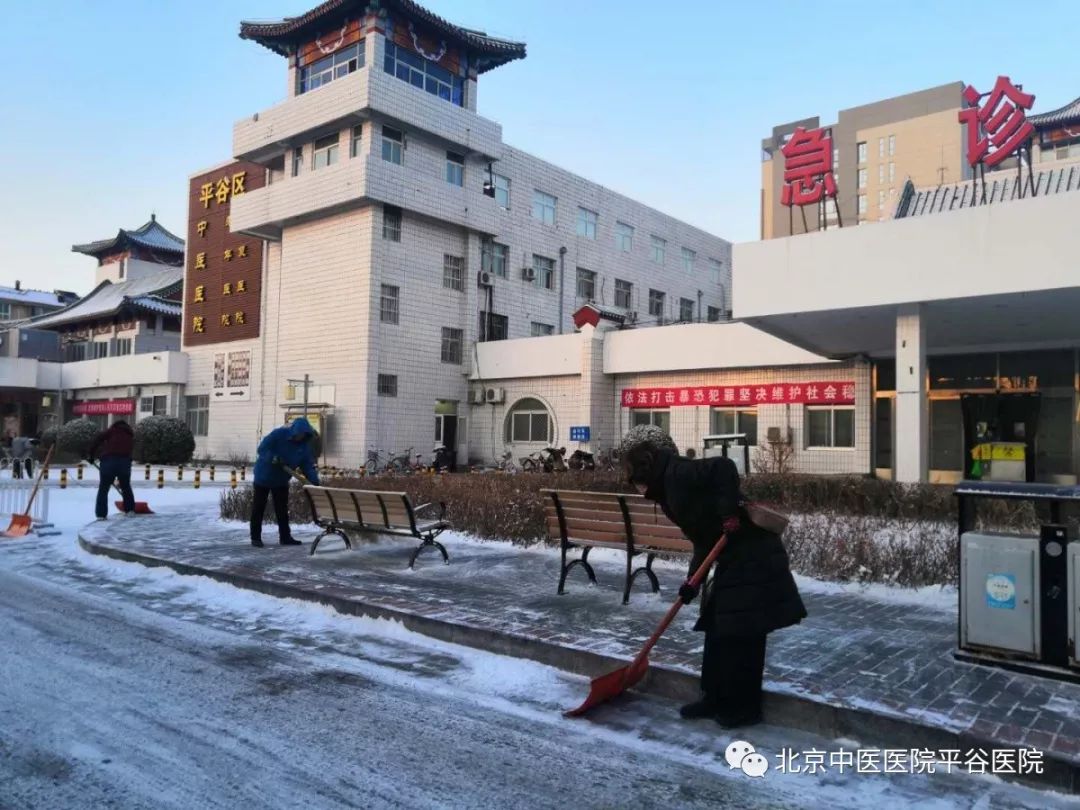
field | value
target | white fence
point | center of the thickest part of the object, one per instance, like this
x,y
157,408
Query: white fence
x,y
15,494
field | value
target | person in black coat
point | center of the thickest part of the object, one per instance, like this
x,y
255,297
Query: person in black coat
x,y
752,591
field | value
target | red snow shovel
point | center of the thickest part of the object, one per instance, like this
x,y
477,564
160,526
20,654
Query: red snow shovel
x,y
618,681
141,507
21,523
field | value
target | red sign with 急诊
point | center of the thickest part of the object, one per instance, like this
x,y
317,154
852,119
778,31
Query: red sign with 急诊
x,y
808,167
814,393
998,128
100,406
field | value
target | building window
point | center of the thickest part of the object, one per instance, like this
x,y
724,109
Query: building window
x,y
297,161
529,422
726,421
455,169
197,414
388,303
146,405
334,66
862,178
451,345
860,149
624,293
713,314
881,199
544,270
688,260
325,151
586,223
161,406
123,346
686,310
537,329
892,172
881,147
656,305
393,145
453,272
426,75
892,145
5,311
355,142
862,204
387,385
659,247
544,207
494,258
100,349
502,191
586,284
830,427
74,352
624,237
391,223
881,173
662,419
716,271
493,326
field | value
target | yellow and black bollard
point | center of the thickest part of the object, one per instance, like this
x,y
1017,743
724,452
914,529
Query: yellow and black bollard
x,y
45,474
232,479
198,478
63,478
147,472
243,473
180,473
160,479
78,473
212,471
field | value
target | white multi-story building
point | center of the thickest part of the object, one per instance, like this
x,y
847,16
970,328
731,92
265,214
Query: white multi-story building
x,y
400,232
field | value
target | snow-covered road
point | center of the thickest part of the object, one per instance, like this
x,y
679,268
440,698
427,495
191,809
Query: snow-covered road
x,y
127,687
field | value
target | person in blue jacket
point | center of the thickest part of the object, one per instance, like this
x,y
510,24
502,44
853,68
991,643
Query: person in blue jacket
x,y
286,446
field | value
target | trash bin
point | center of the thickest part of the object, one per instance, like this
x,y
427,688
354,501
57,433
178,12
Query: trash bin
x,y
729,445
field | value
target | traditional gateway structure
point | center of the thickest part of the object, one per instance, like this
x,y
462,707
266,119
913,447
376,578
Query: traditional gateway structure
x,y
373,232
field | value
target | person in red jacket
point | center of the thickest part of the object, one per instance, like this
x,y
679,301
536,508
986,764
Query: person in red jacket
x,y
114,447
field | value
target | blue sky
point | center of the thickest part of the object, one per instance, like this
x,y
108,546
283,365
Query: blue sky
x,y
111,104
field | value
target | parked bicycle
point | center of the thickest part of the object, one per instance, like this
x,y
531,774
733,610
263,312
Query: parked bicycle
x,y
581,460
506,463
608,460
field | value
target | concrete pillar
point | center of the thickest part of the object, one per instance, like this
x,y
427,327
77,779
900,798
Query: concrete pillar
x,y
912,411
596,392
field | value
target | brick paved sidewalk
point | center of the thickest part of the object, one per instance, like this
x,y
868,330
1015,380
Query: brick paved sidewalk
x,y
854,652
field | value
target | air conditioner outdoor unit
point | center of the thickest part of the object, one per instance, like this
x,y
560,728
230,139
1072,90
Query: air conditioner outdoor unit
x,y
496,395
528,273
483,279
132,391
775,435
631,317
479,396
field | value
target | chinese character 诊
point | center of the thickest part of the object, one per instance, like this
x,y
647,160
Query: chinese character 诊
x,y
240,286
197,324
223,190
998,128
808,167
200,261
226,319
206,194
199,294
238,183
226,288
238,318
201,227
241,252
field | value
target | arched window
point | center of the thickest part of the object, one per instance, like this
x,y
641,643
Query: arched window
x,y
529,422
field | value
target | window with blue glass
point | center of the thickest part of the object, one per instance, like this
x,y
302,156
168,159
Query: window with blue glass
x,y
419,72
334,66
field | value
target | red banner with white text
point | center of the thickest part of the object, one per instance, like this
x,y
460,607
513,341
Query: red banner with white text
x,y
100,406
719,396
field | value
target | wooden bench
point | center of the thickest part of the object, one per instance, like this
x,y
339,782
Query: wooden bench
x,y
630,523
338,511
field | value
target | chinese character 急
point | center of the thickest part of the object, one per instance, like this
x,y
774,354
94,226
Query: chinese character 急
x,y
997,128
808,167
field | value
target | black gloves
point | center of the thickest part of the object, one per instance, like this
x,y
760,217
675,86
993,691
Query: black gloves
x,y
688,593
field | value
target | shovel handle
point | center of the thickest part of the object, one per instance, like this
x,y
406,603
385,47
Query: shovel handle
x,y
41,474
669,617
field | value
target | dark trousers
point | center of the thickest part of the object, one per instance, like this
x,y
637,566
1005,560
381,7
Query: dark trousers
x,y
731,671
114,468
18,465
281,511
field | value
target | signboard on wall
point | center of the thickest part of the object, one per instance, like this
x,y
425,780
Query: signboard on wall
x,y
223,272
103,406
232,376
579,433
719,396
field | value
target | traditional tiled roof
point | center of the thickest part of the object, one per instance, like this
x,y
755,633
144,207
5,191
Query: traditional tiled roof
x,y
37,298
278,36
1069,114
150,236
148,293
1000,187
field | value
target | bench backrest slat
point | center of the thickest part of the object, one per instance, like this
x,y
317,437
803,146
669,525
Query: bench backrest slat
x,y
606,517
396,508
321,504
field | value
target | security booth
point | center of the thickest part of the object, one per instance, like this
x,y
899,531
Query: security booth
x,y
729,445
1019,594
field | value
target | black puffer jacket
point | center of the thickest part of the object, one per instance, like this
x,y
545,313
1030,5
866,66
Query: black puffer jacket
x,y
752,590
